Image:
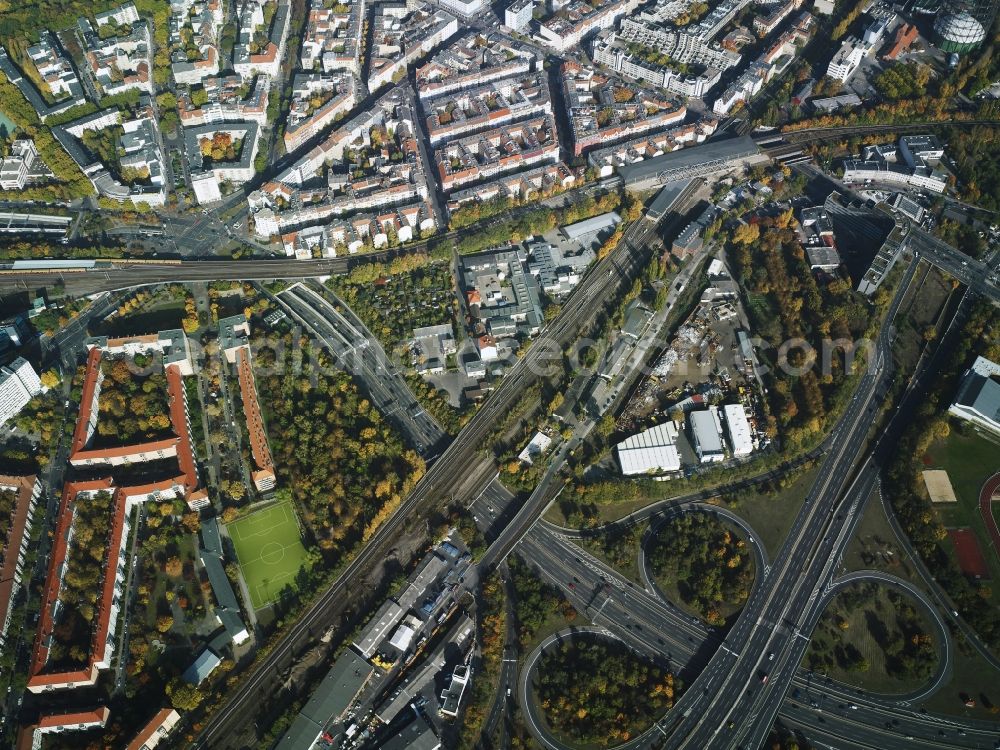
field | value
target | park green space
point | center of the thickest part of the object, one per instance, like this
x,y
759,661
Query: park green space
x,y
269,549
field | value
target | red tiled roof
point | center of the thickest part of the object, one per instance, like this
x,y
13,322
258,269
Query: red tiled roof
x,y
97,716
52,584
147,731
86,400
25,487
187,481
251,408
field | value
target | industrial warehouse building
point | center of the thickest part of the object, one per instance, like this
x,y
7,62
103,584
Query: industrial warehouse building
x,y
652,451
738,429
335,694
706,435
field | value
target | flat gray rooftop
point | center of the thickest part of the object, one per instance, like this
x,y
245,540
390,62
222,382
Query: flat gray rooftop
x,y
692,161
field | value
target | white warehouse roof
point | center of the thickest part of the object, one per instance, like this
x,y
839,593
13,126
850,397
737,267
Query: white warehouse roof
x,y
707,433
592,225
402,638
653,450
739,429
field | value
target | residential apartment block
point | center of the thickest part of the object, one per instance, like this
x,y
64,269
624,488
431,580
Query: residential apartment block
x,y
23,494
19,383
486,155
332,39
618,58
250,56
121,62
54,69
577,21
318,99
602,111
400,36
608,160
194,30
229,99
488,105
773,62
520,186
473,61
388,172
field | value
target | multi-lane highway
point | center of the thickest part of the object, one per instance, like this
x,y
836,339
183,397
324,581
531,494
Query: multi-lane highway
x,y
656,628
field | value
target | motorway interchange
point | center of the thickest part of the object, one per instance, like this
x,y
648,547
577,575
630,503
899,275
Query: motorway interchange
x,y
736,687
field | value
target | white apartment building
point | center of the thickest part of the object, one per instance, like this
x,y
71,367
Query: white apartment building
x,y
848,58
517,16
19,383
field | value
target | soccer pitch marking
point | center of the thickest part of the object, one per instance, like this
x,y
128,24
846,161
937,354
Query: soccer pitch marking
x,y
255,533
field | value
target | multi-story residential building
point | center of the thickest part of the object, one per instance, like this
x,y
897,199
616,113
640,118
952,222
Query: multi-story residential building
x,y
158,728
608,160
336,94
230,99
54,69
602,111
339,236
333,37
31,736
24,494
517,15
617,57
764,25
56,72
194,26
521,186
466,8
401,35
486,106
859,171
663,12
773,62
43,676
471,62
16,168
852,51
382,139
719,17
477,158
121,62
250,56
680,45
207,174
142,151
578,20
19,383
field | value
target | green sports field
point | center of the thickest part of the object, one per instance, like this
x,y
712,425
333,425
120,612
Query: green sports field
x,y
269,549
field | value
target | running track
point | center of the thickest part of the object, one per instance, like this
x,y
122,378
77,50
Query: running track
x,y
986,510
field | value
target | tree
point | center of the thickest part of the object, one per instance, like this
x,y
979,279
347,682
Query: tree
x,y
164,623
229,514
183,695
174,567
50,379
191,522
